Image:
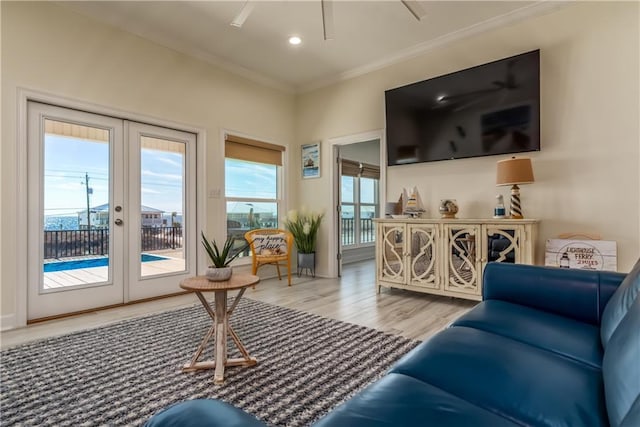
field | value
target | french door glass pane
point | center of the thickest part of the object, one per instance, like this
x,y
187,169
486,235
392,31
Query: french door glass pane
x,y
347,190
368,191
348,224
367,231
76,205
162,213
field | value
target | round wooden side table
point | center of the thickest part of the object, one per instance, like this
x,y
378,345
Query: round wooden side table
x,y
220,327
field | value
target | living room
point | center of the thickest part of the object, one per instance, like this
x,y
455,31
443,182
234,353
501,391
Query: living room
x,y
587,173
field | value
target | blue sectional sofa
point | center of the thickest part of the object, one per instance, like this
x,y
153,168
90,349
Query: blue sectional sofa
x,y
546,347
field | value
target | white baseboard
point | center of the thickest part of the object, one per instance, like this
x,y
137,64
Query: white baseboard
x,y
7,321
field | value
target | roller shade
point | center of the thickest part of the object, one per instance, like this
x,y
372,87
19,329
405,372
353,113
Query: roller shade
x,y
364,170
250,150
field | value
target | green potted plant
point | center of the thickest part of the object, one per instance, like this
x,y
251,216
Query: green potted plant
x,y
220,259
304,226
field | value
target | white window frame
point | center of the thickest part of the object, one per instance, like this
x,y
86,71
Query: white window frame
x,y
357,204
280,189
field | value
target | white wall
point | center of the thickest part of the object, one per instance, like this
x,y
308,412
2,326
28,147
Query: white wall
x,y
46,47
587,173
366,152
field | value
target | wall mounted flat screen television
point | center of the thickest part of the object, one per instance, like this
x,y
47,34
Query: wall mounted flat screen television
x,y
481,111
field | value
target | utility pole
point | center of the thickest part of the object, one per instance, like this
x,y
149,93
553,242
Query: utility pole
x,y
88,191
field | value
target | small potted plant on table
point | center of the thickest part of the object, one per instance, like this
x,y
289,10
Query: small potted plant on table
x,y
220,259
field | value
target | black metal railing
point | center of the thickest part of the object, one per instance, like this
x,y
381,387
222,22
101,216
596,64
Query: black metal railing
x,y
367,231
72,243
158,238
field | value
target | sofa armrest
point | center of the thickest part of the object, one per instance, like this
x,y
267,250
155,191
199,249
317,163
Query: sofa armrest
x,y
578,294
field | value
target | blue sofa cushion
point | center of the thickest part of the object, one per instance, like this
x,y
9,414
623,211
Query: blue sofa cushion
x,y
621,367
570,338
401,401
632,419
203,413
509,378
577,294
619,303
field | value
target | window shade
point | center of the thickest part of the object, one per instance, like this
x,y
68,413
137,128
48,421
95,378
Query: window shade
x,y
350,168
365,170
237,147
370,171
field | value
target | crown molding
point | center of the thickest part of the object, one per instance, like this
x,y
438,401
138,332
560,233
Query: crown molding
x,y
236,69
536,9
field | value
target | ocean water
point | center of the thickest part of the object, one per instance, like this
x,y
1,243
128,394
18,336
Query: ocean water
x,y
53,222
58,222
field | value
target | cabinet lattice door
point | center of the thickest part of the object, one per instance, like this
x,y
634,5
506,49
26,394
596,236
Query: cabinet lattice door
x,y
463,263
423,267
391,262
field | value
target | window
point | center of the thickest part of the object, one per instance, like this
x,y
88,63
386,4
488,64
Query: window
x,y
359,194
252,186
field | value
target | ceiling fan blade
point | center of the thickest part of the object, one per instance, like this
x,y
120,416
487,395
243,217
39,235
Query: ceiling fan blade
x,y
244,13
415,8
327,19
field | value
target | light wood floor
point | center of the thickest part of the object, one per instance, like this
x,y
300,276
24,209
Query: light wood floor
x,y
351,298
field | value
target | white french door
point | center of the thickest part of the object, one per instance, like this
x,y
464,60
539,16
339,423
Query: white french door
x,y
161,175
111,210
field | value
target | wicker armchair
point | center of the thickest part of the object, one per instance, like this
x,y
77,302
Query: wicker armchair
x,y
271,246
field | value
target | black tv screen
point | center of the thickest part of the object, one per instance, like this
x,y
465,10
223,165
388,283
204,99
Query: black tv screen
x,y
481,111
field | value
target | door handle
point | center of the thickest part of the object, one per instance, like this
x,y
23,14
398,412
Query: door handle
x,y
118,221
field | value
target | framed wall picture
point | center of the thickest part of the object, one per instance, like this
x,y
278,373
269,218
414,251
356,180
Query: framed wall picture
x,y
311,160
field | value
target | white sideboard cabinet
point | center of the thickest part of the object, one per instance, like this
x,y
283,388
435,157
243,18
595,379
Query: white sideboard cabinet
x,y
447,256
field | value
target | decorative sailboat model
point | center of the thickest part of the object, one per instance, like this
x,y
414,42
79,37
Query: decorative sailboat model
x,y
412,203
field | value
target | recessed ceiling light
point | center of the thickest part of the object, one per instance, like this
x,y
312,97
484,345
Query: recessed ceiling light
x,y
295,40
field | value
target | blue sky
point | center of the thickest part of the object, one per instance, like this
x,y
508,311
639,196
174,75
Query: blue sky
x,y
250,180
68,159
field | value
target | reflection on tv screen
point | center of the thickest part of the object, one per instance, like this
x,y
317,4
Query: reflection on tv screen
x,y
506,127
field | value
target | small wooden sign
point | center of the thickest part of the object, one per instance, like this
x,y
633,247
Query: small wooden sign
x,y
581,254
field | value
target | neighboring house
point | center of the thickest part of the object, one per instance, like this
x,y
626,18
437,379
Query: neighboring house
x,y
99,217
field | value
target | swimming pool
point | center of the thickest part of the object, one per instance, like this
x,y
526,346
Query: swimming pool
x,y
92,262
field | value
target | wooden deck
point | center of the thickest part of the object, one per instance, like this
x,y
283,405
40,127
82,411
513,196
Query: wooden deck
x,y
84,276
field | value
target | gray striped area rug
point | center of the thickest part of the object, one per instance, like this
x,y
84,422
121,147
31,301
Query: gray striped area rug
x,y
123,373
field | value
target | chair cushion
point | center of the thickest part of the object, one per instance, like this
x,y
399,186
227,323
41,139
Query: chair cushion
x,y
203,413
621,367
509,378
570,338
619,303
398,400
270,244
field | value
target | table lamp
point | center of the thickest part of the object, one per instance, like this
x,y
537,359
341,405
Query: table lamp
x,y
514,172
